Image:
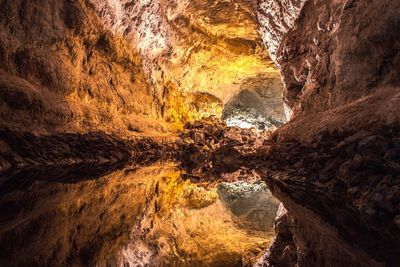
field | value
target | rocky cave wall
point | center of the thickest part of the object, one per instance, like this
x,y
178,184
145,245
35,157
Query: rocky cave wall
x,y
133,216
124,66
62,70
85,65
335,62
196,54
110,70
338,62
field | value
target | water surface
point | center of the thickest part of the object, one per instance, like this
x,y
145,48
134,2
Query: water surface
x,y
130,215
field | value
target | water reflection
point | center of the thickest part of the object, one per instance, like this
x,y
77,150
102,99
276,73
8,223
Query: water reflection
x,y
252,204
129,216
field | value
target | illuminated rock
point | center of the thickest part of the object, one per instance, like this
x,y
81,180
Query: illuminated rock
x,y
192,47
86,86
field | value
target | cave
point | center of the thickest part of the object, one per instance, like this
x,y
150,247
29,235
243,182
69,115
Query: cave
x,y
258,104
200,133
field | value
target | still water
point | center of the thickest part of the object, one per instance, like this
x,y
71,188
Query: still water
x,y
131,216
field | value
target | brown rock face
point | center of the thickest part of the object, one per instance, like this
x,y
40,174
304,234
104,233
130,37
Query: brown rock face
x,y
62,70
192,46
88,64
340,82
132,216
258,104
88,86
276,18
330,54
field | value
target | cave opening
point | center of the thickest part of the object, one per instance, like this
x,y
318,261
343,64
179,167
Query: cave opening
x,y
258,104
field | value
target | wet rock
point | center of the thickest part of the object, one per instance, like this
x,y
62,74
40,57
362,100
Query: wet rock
x,y
212,150
68,149
282,251
366,143
361,181
392,154
393,169
396,143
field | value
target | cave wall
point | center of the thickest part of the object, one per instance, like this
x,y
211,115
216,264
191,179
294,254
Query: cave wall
x,y
63,70
276,18
80,65
192,50
121,66
258,104
338,62
133,216
330,55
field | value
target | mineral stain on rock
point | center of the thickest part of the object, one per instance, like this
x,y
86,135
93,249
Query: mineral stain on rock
x,y
168,133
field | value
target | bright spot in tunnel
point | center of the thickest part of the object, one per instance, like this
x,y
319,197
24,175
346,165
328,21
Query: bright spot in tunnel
x,y
258,104
239,122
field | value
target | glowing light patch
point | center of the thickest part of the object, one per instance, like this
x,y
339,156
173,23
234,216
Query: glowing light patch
x,y
239,123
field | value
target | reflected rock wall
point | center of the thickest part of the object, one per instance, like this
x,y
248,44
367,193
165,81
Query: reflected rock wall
x,y
134,216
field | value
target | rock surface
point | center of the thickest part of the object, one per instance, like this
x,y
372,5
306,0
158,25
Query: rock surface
x,y
345,187
252,203
80,81
343,89
63,71
330,55
211,152
258,104
207,46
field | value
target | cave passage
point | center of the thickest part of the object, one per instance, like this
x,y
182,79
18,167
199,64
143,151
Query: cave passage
x,y
258,133
117,167
258,104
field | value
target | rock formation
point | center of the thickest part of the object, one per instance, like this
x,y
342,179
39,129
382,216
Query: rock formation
x,y
341,83
191,49
63,71
128,217
115,148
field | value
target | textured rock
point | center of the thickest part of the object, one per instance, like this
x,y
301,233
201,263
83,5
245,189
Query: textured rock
x,y
340,82
258,104
276,19
282,251
211,152
343,189
79,79
186,225
330,54
62,70
126,63
252,203
22,150
335,192
188,47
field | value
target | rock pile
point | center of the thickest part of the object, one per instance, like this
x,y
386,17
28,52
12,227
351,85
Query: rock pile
x,y
211,151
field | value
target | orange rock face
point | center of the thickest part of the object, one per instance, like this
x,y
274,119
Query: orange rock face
x,y
94,92
190,47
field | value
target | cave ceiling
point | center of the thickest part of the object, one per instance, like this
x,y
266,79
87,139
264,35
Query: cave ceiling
x,y
190,47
